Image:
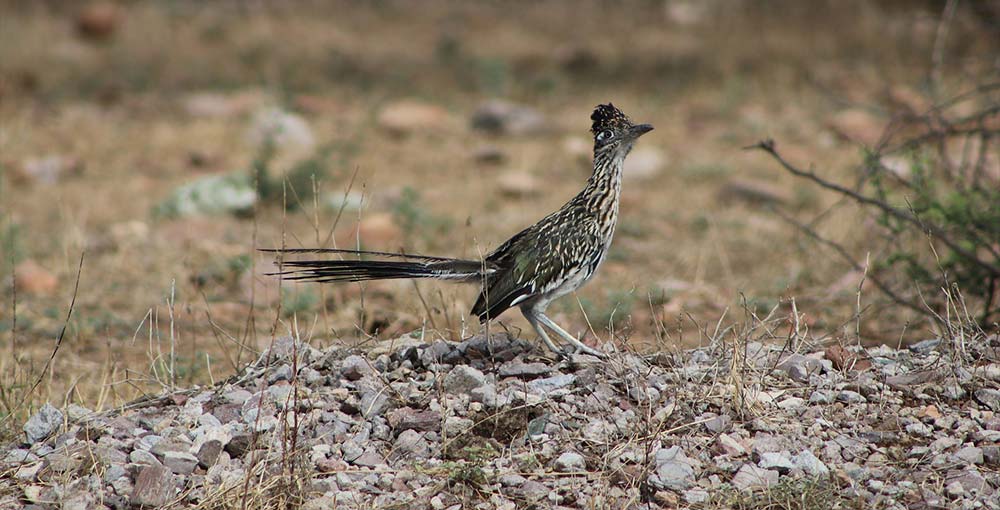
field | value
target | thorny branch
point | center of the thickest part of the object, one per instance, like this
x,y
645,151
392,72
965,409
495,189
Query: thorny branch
x,y
930,228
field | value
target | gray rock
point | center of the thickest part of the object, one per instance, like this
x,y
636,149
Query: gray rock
x,y
114,472
673,469
810,464
435,353
410,444
312,377
943,443
288,132
374,402
570,461
822,397
77,413
227,413
991,455
919,429
970,455
696,496
350,450
550,384
851,397
280,373
954,490
463,379
718,424
880,437
486,394
281,395
989,398
79,500
42,424
779,461
914,378
531,491
369,459
512,480
238,445
143,458
110,453
209,453
644,394
236,396
971,480
925,346
28,472
208,420
172,445
154,487
147,442
799,367
750,476
791,403
456,425
320,503
181,463
855,471
730,446
211,195
19,456
524,370
406,418
355,367
766,442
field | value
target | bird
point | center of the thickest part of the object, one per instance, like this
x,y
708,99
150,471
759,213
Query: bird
x,y
536,266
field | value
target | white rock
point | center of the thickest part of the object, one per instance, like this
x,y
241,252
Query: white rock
x,y
810,464
779,461
570,461
42,424
750,476
463,379
287,131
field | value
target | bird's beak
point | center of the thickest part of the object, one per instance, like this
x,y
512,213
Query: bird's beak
x,y
640,129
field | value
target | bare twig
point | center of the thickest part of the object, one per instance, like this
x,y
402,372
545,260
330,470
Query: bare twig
x,y
930,228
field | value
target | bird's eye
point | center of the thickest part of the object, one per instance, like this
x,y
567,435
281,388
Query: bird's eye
x,y
605,135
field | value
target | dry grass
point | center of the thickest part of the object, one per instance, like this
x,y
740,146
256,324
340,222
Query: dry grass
x,y
163,303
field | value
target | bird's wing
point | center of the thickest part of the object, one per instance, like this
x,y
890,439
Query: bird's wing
x,y
524,264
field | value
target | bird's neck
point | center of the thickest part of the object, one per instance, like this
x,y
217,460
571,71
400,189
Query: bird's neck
x,y
605,184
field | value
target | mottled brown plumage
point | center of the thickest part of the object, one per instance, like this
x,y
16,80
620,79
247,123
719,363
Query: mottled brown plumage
x,y
539,264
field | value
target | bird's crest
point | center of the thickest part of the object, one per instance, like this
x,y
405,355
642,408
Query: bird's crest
x,y
606,116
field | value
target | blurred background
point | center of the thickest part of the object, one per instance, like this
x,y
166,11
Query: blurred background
x,y
167,141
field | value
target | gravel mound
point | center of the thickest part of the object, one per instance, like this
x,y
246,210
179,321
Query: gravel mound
x,y
491,423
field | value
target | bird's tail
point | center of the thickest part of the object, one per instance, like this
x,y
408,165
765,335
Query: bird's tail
x,y
404,266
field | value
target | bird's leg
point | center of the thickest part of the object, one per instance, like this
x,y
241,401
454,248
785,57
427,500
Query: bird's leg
x,y
544,319
533,319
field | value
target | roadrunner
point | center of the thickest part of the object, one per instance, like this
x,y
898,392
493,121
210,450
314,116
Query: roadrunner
x,y
538,265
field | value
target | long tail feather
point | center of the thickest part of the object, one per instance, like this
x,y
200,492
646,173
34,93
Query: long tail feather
x,y
364,270
412,256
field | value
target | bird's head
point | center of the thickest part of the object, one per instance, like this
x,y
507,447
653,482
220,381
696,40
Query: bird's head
x,y
613,131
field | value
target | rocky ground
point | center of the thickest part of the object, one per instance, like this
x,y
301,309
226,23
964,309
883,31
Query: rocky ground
x,y
491,423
